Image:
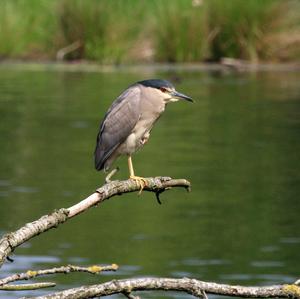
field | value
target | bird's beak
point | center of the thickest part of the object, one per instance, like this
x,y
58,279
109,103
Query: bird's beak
x,y
180,96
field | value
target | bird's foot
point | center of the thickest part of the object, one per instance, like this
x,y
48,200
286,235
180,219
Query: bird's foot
x,y
141,181
110,175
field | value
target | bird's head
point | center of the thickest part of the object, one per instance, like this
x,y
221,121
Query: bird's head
x,y
165,90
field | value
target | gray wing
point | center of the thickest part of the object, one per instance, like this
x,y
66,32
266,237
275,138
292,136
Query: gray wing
x,y
117,124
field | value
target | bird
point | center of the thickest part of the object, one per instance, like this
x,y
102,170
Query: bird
x,y
128,122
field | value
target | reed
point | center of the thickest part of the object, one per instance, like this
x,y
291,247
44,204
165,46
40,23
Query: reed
x,y
130,31
180,32
243,27
27,28
106,28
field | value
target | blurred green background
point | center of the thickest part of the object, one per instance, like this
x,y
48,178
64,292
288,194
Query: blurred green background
x,y
131,31
238,143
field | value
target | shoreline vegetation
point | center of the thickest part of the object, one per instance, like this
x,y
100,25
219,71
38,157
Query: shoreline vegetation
x,y
142,32
95,67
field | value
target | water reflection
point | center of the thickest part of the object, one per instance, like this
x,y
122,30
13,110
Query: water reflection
x,y
238,144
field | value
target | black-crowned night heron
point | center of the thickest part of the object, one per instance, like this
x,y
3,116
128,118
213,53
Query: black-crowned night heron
x,y
128,122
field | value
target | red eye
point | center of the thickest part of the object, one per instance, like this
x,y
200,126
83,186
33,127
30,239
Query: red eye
x,y
163,89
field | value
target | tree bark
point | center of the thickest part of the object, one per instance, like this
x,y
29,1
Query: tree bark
x,y
95,269
191,286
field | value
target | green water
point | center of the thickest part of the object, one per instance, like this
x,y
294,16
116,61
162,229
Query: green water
x,y
238,144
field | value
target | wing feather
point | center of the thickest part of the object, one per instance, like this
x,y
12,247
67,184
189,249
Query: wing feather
x,y
117,124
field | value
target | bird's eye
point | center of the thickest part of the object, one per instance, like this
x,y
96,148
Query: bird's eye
x,y
163,89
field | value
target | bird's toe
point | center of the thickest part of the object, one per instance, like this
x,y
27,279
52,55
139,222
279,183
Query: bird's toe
x,y
141,181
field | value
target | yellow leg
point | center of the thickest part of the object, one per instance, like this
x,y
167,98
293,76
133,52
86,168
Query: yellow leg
x,y
130,166
139,179
110,175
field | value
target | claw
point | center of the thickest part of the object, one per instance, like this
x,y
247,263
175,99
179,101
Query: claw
x,y
141,181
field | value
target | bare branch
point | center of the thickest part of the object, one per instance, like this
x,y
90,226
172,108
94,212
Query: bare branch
x,y
12,240
27,286
64,269
126,287
156,185
191,286
68,49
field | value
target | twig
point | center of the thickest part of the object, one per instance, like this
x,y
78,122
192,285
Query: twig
x,y
12,240
191,286
27,286
64,269
60,55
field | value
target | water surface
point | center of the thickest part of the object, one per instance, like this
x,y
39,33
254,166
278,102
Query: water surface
x,y
238,144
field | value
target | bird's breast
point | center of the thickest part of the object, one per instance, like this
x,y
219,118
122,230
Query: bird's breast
x,y
141,131
140,134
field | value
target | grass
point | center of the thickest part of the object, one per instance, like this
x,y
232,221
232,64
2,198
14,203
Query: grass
x,y
129,31
104,27
25,29
242,28
180,32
